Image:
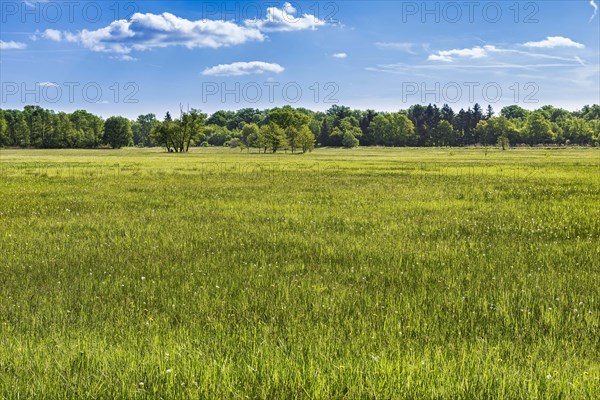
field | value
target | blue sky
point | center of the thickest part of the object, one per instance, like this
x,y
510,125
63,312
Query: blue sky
x,y
127,58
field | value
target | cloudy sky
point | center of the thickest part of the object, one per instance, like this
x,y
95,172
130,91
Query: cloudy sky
x,y
132,57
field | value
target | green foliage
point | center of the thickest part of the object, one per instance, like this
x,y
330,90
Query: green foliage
x,y
347,133
163,133
392,129
292,121
89,128
419,125
21,135
503,142
117,132
306,139
223,119
217,135
250,135
349,140
191,129
538,128
142,130
287,117
179,134
514,112
292,135
489,131
273,137
4,138
576,131
443,134
249,130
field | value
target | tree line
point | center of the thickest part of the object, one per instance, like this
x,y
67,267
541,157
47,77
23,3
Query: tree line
x,y
299,129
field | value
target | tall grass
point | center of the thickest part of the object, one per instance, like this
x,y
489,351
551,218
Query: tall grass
x,y
370,273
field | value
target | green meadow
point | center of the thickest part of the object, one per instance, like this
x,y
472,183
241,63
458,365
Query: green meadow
x,y
363,273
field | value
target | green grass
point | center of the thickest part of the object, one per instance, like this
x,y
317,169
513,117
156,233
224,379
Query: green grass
x,y
366,273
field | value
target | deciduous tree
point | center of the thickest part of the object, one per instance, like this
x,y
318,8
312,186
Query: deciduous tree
x,y
117,132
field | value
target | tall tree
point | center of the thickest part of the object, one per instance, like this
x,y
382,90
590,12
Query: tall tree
x,y
117,132
417,114
142,129
489,113
21,132
442,134
250,134
341,133
222,118
306,139
325,132
162,133
89,128
292,134
514,112
447,113
365,121
4,138
190,128
274,136
393,129
286,117
538,128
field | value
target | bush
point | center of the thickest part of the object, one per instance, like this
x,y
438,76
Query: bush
x,y
349,141
235,142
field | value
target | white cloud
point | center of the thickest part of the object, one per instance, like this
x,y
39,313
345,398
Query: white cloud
x,y
284,19
243,68
71,37
489,57
593,4
33,3
12,45
401,68
124,57
554,41
407,47
289,8
447,55
148,31
529,54
53,34
48,84
340,55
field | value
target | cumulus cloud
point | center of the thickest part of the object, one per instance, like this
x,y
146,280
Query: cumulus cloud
x,y
554,41
148,31
12,45
144,31
53,34
595,6
340,55
449,55
243,68
284,20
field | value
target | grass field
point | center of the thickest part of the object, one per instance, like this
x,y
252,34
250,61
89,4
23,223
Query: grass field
x,y
366,273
